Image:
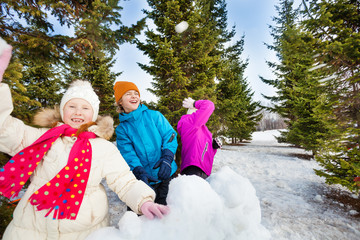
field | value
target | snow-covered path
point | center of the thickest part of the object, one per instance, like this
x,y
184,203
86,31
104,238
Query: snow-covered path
x,y
292,198
291,195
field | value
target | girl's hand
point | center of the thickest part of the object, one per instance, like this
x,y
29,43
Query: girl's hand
x,y
5,56
188,103
151,209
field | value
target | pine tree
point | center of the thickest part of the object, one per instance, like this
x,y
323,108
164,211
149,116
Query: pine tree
x,y
50,59
183,64
33,48
238,113
22,103
335,25
299,91
40,73
308,126
99,32
283,86
98,72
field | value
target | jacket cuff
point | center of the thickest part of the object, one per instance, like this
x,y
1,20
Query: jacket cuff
x,y
168,155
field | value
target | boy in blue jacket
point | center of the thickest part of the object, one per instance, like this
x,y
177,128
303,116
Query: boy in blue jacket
x,y
145,139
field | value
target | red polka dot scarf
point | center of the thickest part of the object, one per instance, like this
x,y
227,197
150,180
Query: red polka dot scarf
x,y
64,193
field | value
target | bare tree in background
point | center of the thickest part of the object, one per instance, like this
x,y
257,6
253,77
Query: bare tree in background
x,y
270,121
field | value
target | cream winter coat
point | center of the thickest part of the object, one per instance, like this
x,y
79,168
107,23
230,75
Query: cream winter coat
x,y
107,162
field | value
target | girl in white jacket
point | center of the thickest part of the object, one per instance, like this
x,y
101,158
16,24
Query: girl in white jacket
x,y
65,161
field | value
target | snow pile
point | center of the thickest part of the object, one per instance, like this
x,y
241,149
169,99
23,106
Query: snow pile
x,y
223,207
293,200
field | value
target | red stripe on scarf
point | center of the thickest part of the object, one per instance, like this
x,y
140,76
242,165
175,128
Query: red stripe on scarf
x,y
64,193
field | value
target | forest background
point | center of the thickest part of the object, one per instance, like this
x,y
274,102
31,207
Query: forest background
x,y
316,73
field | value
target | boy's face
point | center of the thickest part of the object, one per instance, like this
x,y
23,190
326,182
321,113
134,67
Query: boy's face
x,y
77,111
130,101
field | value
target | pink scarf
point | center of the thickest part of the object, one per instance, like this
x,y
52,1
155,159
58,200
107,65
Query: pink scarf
x,y
64,193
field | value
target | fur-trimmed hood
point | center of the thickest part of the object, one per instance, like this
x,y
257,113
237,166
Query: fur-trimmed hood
x,y
48,117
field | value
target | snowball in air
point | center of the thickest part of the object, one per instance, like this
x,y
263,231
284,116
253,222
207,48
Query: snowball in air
x,y
181,27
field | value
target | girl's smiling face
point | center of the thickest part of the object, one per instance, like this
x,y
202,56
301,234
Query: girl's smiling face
x,y
130,101
77,111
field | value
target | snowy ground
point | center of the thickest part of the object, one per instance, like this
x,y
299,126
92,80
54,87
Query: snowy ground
x,y
289,195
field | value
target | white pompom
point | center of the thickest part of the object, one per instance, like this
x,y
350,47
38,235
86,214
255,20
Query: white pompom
x,y
181,27
3,45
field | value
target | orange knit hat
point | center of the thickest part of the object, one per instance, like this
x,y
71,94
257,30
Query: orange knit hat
x,y
121,87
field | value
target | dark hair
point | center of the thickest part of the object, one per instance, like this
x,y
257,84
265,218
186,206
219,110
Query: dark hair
x,y
119,107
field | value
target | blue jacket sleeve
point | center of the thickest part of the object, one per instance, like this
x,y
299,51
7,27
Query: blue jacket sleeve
x,y
126,148
167,133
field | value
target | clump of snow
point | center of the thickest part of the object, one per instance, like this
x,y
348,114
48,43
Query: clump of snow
x,y
224,207
181,27
318,198
355,196
353,212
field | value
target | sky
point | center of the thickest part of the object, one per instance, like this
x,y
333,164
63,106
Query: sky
x,y
261,190
250,17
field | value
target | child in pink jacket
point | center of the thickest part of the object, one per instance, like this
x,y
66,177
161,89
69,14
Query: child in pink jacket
x,y
198,146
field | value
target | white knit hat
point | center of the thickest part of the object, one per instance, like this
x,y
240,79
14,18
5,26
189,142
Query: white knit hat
x,y
81,89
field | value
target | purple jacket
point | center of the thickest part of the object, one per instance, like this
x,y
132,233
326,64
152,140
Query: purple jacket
x,y
196,138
